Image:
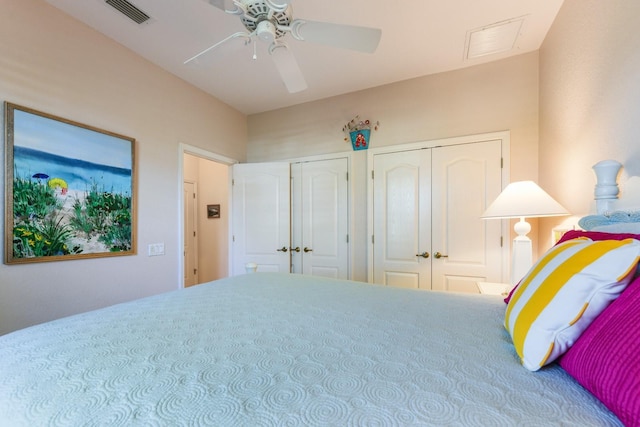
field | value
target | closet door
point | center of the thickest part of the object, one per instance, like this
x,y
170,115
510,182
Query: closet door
x,y
402,219
320,218
261,217
466,249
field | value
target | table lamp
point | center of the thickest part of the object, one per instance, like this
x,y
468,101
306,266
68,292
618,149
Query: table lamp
x,y
522,199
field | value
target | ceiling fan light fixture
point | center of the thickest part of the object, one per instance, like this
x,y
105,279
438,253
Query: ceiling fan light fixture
x,y
266,31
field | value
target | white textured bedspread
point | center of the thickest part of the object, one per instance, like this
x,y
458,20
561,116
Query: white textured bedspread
x,y
290,350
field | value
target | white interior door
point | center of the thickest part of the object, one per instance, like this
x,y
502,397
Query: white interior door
x,y
320,214
190,251
261,217
402,219
466,249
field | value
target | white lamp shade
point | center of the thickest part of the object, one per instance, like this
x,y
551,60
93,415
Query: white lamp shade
x,y
523,199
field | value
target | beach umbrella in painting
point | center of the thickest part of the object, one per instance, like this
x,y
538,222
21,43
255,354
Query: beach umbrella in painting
x,y
40,176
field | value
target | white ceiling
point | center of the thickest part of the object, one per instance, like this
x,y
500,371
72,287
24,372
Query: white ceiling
x,y
419,37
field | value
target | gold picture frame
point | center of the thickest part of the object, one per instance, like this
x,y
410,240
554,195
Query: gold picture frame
x,y
70,189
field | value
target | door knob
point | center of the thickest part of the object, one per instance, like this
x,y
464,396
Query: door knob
x,y
423,254
296,249
307,249
439,255
282,249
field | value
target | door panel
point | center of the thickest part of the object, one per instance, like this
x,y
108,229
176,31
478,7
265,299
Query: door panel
x,y
402,219
190,251
466,178
261,218
320,213
402,279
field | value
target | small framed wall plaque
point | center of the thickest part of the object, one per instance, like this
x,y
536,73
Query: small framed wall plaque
x,y
213,211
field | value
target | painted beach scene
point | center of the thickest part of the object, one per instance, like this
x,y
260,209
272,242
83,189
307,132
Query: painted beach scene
x,y
72,189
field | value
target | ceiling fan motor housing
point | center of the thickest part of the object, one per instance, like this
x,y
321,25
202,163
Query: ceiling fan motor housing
x,y
259,11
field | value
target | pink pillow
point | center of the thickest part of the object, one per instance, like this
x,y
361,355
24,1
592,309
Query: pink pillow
x,y
508,298
606,358
596,235
593,235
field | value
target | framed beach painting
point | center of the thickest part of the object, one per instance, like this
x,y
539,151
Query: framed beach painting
x,y
70,189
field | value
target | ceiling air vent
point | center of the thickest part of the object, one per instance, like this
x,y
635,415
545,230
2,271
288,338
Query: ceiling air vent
x,y
495,38
129,10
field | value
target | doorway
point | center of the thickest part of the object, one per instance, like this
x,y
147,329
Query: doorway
x,y
204,215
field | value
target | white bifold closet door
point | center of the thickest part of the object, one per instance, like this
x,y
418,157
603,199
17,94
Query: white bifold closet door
x,y
319,238
402,219
427,231
291,217
466,178
261,220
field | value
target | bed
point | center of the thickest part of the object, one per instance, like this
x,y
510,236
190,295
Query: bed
x,y
268,349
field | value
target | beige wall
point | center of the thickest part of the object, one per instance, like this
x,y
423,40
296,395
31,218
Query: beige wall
x,y
502,95
54,64
492,97
589,99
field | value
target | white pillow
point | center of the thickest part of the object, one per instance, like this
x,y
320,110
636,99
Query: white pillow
x,y
562,294
620,227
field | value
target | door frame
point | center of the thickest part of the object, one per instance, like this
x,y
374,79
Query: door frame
x,y
208,155
504,136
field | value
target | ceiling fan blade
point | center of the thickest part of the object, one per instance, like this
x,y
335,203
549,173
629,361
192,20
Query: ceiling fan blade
x,y
279,5
226,6
362,39
288,68
232,36
220,4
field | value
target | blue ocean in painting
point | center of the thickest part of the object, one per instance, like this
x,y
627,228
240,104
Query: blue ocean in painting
x,y
79,174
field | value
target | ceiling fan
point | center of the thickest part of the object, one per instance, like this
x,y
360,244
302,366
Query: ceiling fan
x,y
271,20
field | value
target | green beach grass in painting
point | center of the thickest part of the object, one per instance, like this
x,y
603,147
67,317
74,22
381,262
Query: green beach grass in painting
x,y
50,222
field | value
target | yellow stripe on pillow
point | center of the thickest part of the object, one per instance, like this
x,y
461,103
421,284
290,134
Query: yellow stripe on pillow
x,y
550,257
570,285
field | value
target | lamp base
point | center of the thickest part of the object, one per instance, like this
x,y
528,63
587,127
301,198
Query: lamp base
x,y
521,258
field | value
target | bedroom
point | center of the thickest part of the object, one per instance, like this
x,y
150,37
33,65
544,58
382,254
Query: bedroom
x,y
560,125
569,105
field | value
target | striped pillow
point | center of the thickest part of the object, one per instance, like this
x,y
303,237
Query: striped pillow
x,y
562,294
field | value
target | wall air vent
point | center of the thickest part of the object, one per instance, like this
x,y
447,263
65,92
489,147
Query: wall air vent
x,y
129,10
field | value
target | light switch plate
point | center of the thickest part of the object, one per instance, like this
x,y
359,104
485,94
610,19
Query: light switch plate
x,y
156,249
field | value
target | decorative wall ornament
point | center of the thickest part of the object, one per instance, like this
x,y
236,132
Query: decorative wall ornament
x,y
359,132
